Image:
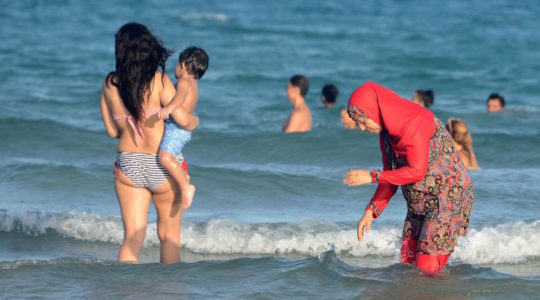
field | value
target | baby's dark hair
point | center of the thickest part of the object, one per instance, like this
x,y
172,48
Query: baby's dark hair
x,y
301,82
196,61
496,96
330,93
427,96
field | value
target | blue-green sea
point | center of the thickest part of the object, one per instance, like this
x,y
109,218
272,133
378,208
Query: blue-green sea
x,y
271,218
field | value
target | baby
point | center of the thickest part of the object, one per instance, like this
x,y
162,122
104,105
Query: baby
x,y
191,66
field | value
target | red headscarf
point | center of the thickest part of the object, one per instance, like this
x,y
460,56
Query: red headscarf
x,y
409,125
402,118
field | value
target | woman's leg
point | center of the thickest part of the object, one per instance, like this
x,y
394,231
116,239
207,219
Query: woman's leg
x,y
169,222
431,264
409,248
409,244
434,241
134,202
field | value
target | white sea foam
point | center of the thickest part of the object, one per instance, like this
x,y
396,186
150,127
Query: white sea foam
x,y
80,226
219,17
507,243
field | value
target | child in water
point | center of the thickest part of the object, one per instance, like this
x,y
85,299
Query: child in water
x,y
191,66
462,142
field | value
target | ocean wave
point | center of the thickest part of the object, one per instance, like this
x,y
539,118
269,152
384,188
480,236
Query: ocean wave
x,y
46,174
36,162
12,265
48,129
506,243
241,278
216,17
303,170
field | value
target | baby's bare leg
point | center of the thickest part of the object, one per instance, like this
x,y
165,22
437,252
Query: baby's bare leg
x,y
180,178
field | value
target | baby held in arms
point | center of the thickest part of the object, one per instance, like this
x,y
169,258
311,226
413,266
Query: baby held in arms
x,y
191,66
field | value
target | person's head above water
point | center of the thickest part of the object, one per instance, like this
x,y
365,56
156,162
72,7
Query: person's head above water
x,y
329,95
376,108
424,98
495,102
194,60
460,133
138,54
298,87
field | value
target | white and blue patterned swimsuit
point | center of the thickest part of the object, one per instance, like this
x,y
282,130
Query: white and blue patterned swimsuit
x,y
174,138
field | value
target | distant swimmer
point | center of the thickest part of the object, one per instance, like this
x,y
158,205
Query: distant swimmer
x,y
495,103
329,95
300,118
424,98
462,142
418,154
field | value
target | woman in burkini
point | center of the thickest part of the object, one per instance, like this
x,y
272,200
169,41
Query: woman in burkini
x,y
131,97
418,154
462,142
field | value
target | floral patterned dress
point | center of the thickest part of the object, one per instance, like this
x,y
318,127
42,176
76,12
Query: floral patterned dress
x,y
439,206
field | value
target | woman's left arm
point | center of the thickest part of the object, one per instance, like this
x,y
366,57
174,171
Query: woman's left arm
x,y
418,159
111,128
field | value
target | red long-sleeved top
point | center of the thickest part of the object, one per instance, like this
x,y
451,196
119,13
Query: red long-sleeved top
x,y
410,128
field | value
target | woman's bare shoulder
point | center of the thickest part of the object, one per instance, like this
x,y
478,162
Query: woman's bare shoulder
x,y
161,80
108,84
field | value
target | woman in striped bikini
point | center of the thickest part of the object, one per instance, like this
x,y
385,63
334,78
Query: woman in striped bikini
x,y
131,97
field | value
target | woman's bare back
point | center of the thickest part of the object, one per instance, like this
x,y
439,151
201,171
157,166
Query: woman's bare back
x,y
161,92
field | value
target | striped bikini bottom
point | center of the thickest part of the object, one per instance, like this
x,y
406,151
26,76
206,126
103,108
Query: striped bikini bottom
x,y
144,169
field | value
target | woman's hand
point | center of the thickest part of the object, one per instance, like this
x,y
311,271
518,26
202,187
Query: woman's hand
x,y
364,224
357,177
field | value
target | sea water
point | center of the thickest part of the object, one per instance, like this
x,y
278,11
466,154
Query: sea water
x,y
271,217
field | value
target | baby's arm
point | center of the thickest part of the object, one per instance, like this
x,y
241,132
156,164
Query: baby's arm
x,y
180,115
182,88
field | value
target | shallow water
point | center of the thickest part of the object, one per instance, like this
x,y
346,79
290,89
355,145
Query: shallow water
x,y
271,217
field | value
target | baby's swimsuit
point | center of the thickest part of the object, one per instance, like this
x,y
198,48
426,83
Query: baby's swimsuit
x,y
174,138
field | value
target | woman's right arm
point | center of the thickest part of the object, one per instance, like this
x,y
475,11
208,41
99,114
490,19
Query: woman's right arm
x,y
108,121
378,202
384,191
180,115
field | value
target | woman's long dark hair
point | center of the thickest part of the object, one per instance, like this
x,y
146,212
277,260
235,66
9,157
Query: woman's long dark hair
x,y
138,55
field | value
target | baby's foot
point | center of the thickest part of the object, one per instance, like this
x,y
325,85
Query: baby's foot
x,y
187,196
